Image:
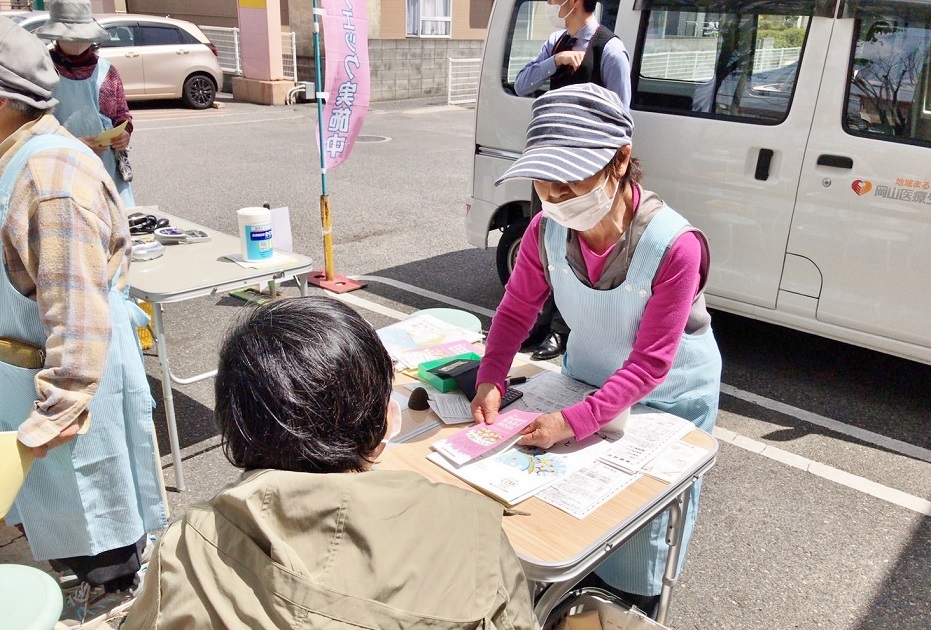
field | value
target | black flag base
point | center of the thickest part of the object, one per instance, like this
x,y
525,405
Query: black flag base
x,y
339,284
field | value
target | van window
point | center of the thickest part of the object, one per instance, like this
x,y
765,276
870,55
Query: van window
x,y
530,29
889,87
738,63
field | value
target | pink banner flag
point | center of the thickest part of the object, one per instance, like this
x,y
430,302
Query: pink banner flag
x,y
346,45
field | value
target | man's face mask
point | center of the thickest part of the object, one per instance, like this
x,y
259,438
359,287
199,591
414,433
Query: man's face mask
x,y
552,14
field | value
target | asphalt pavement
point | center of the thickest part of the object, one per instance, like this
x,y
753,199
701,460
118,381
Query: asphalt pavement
x,y
818,511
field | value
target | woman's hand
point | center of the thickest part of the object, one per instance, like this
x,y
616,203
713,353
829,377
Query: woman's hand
x,y
546,430
91,141
486,403
67,434
121,141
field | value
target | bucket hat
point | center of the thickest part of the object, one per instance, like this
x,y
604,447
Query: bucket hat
x,y
71,21
574,132
26,70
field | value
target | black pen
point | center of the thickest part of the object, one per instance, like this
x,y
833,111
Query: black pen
x,y
515,380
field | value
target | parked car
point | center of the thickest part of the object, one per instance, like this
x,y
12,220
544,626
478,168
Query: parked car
x,y
162,58
29,20
158,57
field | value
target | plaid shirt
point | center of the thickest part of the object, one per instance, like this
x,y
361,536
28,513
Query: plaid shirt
x,y
65,237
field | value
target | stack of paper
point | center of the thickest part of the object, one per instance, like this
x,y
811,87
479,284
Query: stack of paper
x,y
520,472
421,338
481,440
576,477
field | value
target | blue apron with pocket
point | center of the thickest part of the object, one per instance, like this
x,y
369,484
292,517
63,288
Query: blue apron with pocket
x,y
78,111
603,326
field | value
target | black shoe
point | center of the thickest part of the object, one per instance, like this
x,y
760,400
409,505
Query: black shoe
x,y
551,347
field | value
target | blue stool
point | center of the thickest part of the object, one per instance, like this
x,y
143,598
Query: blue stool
x,y
454,316
30,599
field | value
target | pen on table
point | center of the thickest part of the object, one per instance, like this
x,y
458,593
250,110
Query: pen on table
x,y
515,380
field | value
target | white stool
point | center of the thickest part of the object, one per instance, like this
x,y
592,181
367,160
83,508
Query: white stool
x,y
30,599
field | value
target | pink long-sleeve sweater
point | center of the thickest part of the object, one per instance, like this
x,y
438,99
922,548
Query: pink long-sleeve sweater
x,y
675,287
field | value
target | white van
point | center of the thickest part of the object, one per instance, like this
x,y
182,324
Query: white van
x,y
796,135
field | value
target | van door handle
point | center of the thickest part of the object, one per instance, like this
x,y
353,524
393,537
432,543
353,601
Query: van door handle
x,y
763,161
835,161
131,54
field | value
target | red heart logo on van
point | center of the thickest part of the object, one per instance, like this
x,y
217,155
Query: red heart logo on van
x,y
861,187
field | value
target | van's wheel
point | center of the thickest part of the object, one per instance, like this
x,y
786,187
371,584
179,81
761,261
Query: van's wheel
x,y
508,247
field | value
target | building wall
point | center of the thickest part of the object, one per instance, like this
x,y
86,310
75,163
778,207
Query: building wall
x,y
201,12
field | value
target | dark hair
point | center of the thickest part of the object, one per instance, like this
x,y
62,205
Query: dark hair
x,y
633,175
303,384
589,5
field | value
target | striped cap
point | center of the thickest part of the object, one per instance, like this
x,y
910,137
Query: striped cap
x,y
574,132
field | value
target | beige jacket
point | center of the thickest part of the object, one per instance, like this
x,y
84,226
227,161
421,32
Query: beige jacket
x,y
381,549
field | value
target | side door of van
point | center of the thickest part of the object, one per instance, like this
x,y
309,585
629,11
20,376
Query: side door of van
x,y
863,218
724,96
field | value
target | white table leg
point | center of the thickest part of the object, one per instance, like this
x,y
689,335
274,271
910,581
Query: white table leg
x,y
168,394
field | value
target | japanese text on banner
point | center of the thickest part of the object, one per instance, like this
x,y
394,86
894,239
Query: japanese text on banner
x,y
347,80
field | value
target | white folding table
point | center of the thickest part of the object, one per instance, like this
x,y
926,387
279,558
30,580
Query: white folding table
x,y
190,270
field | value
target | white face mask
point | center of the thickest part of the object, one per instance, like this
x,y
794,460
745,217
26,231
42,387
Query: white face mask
x,y
552,14
394,421
583,212
74,48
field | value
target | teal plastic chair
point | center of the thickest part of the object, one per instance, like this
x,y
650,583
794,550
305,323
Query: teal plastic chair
x,y
30,599
454,316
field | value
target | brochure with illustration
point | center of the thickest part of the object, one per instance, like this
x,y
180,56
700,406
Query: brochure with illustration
x,y
519,472
407,339
481,440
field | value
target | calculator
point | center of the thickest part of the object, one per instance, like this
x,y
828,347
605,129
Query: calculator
x,y
511,395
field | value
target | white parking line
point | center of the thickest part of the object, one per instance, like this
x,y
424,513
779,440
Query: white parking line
x,y
218,124
836,475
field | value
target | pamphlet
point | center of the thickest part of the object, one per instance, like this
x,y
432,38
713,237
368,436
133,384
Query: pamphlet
x,y
549,391
422,333
452,408
674,461
520,472
482,439
587,489
106,138
15,461
647,433
417,356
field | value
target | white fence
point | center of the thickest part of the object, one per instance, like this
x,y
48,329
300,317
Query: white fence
x,y
230,51
462,80
699,65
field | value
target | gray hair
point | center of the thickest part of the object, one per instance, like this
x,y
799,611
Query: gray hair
x,y
25,109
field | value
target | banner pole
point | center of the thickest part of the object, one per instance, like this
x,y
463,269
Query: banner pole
x,y
326,220
328,279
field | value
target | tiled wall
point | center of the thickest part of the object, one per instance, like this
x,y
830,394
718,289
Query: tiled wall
x,y
408,68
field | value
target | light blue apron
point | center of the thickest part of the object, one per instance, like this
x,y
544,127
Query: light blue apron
x,y
603,327
78,111
100,491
